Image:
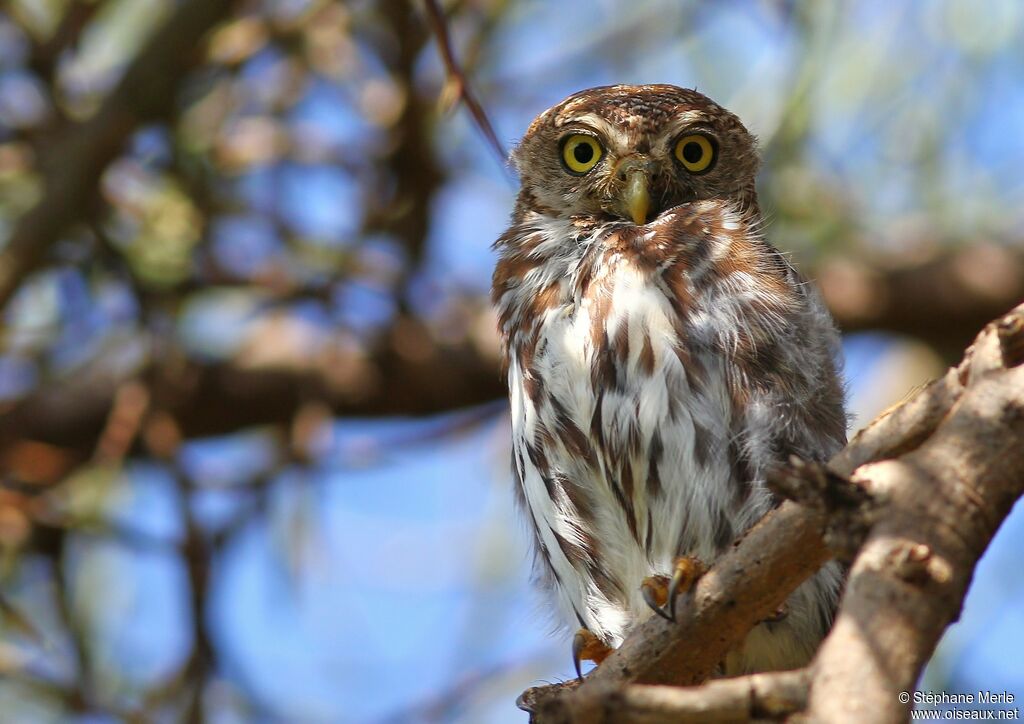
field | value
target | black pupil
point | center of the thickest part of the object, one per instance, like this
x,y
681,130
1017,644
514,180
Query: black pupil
x,y
583,152
693,152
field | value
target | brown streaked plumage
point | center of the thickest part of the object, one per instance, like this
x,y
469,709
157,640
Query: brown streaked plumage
x,y
662,356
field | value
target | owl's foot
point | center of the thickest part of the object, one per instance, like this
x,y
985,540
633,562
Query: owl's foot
x,y
659,591
655,592
588,647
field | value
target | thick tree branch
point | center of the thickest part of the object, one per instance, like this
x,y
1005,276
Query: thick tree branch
x,y
762,697
411,375
943,301
943,503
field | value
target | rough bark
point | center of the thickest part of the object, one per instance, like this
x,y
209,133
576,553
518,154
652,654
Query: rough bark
x,y
941,504
768,696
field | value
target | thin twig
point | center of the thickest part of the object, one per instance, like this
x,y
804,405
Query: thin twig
x,y
456,76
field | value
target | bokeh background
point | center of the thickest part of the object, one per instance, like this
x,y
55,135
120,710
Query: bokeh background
x,y
253,437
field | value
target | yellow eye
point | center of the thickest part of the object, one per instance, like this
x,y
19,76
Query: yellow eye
x,y
580,153
695,152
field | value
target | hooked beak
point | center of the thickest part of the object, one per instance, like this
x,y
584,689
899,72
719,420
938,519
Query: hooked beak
x,y
636,198
635,173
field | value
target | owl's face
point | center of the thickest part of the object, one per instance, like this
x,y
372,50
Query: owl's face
x,y
632,152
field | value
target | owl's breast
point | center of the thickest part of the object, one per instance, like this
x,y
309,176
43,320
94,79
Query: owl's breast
x,y
620,434
629,413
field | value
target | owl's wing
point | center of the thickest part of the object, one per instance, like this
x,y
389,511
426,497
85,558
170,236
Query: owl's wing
x,y
784,368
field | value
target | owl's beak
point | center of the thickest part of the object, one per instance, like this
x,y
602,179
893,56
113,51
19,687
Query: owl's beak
x,y
636,197
635,172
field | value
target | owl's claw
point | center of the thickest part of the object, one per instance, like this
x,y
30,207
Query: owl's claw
x,y
660,592
579,642
587,647
687,570
654,589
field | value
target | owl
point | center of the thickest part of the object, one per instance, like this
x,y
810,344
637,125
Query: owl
x,y
662,357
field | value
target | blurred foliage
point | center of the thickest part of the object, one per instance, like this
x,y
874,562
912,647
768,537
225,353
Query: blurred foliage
x,y
303,235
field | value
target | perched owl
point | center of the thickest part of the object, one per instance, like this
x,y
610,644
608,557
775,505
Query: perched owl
x,y
662,357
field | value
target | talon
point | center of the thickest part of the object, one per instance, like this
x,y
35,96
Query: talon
x,y
686,573
654,589
587,647
579,641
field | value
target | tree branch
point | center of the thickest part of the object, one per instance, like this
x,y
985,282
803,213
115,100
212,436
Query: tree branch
x,y
457,79
411,375
943,301
944,501
762,697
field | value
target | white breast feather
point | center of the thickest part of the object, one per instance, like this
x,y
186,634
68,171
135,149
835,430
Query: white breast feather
x,y
693,495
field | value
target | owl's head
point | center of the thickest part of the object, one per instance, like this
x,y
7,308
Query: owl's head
x,y
631,152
